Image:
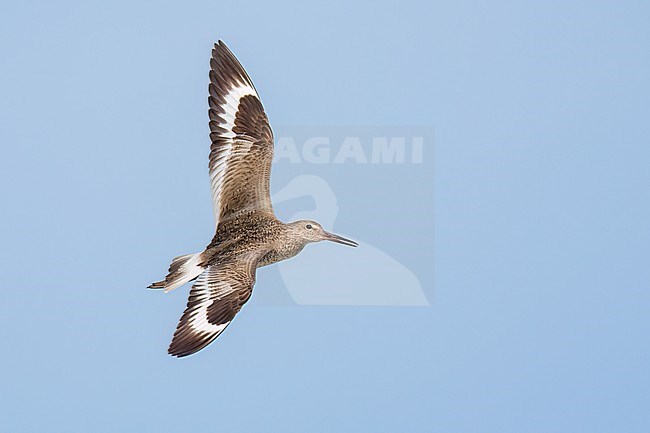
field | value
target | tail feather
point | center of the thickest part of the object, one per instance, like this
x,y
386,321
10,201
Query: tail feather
x,y
182,270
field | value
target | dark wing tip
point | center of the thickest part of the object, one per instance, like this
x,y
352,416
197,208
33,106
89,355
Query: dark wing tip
x,y
225,64
185,344
219,46
222,50
173,351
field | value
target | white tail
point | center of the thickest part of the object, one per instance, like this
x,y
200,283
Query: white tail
x,y
182,270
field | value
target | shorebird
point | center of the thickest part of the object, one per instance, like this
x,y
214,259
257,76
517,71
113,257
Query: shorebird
x,y
248,234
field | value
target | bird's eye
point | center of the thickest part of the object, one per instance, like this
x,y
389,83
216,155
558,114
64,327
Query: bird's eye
x,y
308,226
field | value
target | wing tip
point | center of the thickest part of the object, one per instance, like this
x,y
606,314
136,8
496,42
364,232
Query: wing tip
x,y
186,347
187,341
225,64
178,354
181,351
221,48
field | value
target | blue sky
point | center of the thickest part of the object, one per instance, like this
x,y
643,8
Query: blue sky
x,y
532,244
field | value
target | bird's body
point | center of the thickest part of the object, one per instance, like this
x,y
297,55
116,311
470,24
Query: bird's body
x,y
248,235
264,234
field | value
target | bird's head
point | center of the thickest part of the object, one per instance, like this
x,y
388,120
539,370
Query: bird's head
x,y
311,231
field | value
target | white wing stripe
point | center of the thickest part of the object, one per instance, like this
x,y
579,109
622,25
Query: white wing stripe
x,y
198,320
230,107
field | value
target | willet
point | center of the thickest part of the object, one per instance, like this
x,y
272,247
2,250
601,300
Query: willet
x,y
248,235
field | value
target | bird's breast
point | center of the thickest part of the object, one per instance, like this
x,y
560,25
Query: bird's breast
x,y
279,253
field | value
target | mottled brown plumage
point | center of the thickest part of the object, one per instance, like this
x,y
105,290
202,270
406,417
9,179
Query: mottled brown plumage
x,y
248,235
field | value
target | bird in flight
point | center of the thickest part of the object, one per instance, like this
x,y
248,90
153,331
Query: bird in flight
x,y
248,235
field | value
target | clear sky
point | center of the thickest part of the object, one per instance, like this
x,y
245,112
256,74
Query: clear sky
x,y
526,223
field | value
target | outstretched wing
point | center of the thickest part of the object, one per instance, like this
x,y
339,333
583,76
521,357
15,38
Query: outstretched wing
x,y
216,296
242,141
